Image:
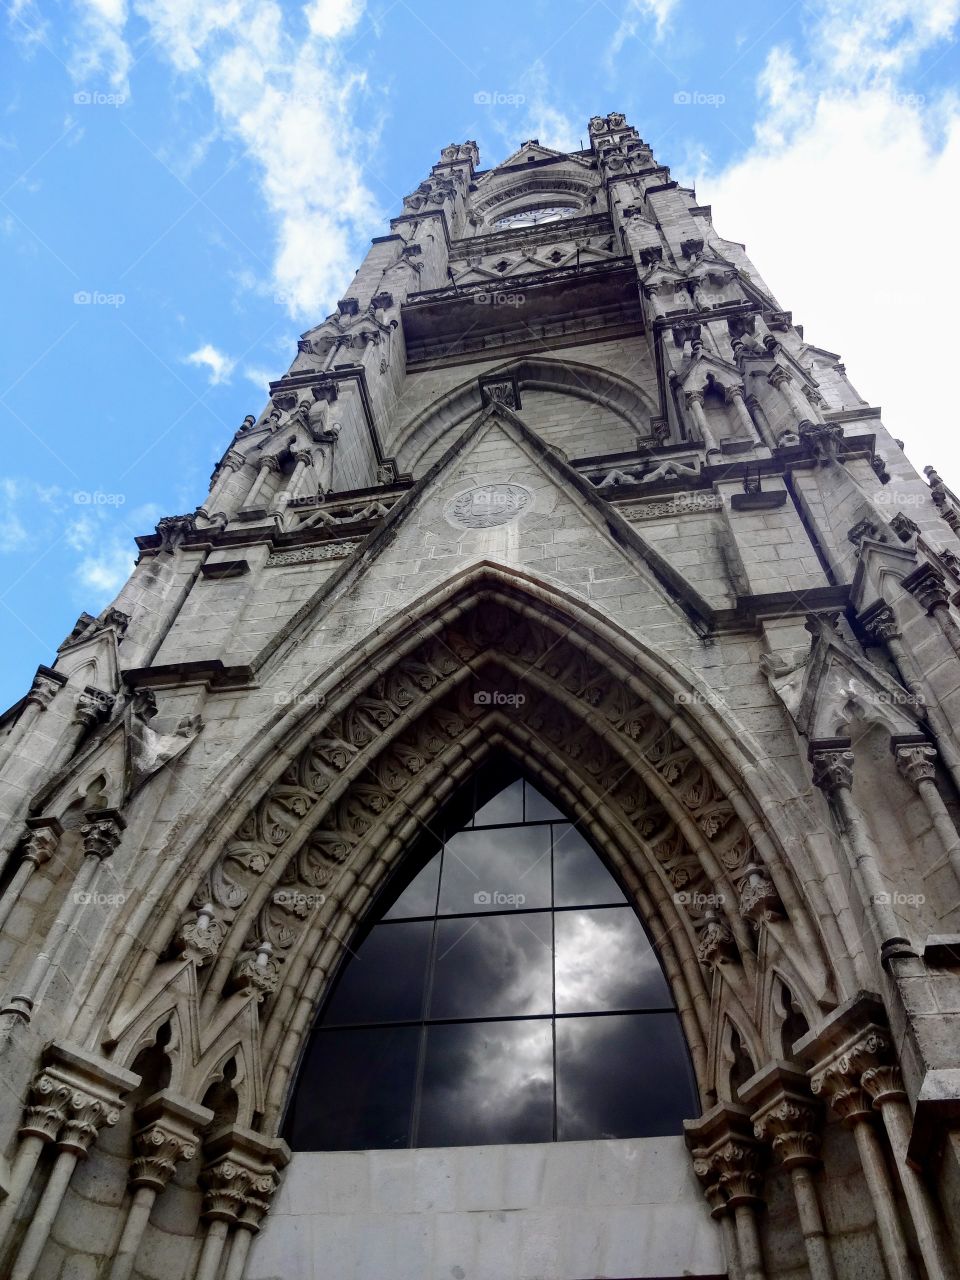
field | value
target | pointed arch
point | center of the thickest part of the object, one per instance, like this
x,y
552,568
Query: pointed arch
x,y
331,788
622,397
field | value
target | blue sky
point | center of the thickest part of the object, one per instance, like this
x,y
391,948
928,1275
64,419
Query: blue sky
x,y
186,187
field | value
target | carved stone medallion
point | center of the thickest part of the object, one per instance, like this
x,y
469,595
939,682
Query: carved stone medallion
x,y
488,505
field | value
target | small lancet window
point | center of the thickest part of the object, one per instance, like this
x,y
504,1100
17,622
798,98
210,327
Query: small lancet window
x,y
503,990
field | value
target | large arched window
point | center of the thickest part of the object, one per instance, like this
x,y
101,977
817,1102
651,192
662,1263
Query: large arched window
x,y
504,991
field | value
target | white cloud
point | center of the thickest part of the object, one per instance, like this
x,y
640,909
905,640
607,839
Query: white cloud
x,y
639,13
288,98
539,117
260,377
842,189
219,365
105,573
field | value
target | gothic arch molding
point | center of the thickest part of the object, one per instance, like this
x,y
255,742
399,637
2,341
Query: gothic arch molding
x,y
625,399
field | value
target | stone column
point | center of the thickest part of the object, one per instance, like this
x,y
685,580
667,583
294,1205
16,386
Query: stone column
x,y
727,1159
101,833
840,1050
786,1116
801,409
291,491
928,585
95,1088
240,1176
884,1084
268,465
45,1112
694,400
880,622
916,761
833,773
736,397
168,1133
45,687
233,461
39,844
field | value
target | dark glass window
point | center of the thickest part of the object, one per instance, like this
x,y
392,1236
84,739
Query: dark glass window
x,y
505,992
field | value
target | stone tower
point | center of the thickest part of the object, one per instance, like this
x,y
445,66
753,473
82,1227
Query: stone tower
x,y
559,511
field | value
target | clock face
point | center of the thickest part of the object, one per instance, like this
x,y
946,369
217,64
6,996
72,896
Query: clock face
x,y
534,217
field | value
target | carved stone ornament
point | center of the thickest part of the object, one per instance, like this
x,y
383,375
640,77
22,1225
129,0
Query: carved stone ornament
x,y
880,623
46,1108
716,943
199,939
904,527
488,506
159,1148
173,530
929,587
791,1126
917,762
92,707
832,768
257,971
40,840
101,831
44,689
759,901
150,751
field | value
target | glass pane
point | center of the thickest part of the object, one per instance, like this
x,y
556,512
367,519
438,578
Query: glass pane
x,y
356,1090
506,806
496,870
384,981
605,961
487,1083
419,898
580,877
622,1076
537,807
493,966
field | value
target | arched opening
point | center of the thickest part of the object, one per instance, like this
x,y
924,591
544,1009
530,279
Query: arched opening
x,y
502,989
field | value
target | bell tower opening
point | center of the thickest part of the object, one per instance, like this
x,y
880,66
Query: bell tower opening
x,y
502,990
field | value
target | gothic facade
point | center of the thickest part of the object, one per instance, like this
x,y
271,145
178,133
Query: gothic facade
x,y
562,497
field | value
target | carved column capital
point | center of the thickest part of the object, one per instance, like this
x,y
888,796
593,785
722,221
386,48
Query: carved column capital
x,y
303,456
759,901
269,462
928,585
92,706
241,1176
87,1114
101,832
832,767
173,530
44,688
884,1084
199,938
778,376
716,944
232,460
46,1108
880,623
727,1158
257,971
916,762
40,840
694,397
784,1113
851,1042
170,1128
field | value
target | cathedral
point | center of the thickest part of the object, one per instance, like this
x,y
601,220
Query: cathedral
x,y
509,829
